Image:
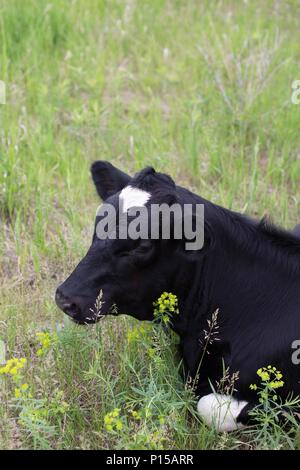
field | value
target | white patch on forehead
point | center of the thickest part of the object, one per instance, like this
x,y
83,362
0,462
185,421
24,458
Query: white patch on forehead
x,y
133,197
221,411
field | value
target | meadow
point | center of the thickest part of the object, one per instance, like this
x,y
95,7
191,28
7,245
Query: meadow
x,y
198,89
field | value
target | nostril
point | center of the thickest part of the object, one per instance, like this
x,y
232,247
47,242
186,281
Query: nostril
x,y
66,304
71,309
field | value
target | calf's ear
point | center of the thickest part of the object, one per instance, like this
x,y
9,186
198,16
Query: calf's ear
x,y
108,179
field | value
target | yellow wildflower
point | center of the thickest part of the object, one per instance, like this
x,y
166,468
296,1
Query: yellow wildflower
x,y
151,352
135,415
165,306
112,421
13,366
46,341
270,380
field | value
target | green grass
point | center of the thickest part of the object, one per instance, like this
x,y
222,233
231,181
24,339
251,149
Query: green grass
x,y
198,89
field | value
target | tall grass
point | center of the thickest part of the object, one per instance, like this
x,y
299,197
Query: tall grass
x,y
201,90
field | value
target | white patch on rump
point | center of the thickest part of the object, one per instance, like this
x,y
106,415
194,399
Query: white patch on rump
x,y
133,197
221,411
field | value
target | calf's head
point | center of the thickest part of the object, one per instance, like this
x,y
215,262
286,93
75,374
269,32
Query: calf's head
x,y
131,273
